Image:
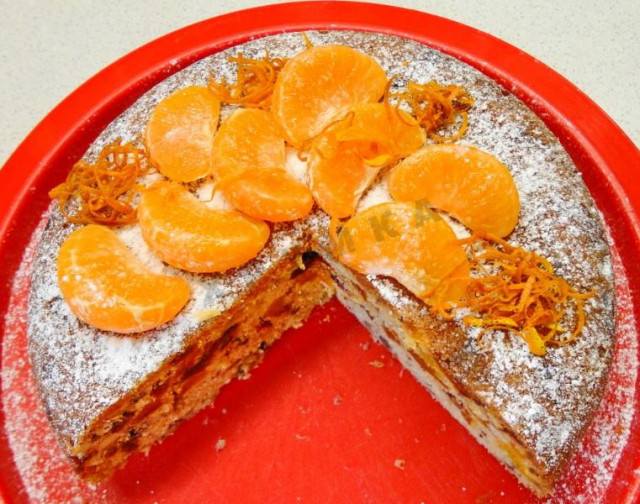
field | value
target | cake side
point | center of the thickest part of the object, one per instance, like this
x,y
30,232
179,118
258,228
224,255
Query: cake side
x,y
485,425
413,345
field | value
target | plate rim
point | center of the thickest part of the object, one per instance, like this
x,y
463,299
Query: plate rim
x,y
593,137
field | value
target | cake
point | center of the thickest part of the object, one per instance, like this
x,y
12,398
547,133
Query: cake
x,y
109,395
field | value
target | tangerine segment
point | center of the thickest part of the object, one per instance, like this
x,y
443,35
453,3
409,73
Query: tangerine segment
x,y
382,130
338,182
410,243
180,132
185,233
471,185
268,194
319,85
107,287
247,139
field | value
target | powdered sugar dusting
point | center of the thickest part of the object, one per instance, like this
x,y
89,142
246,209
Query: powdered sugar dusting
x,y
378,194
212,197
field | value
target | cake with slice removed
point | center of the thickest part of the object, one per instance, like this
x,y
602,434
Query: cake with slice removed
x,y
109,395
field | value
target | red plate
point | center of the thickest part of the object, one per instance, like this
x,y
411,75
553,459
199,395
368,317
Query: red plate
x,y
317,422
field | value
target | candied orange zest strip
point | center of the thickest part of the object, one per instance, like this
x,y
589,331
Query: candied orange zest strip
x,y
435,107
103,191
380,161
254,84
388,96
326,141
514,290
307,40
335,225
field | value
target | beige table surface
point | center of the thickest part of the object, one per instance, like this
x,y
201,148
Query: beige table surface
x,y
48,48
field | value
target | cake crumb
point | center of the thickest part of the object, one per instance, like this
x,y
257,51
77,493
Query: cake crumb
x,y
364,346
367,432
376,363
220,444
486,498
337,400
399,463
302,437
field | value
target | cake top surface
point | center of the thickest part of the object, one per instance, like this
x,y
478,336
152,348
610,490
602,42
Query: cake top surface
x,y
82,371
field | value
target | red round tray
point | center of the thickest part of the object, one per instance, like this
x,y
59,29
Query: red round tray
x,y
316,422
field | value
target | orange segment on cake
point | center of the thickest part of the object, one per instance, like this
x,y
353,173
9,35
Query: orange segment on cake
x,y
380,131
339,181
107,287
471,185
319,85
247,140
346,157
179,134
249,165
187,234
409,243
270,194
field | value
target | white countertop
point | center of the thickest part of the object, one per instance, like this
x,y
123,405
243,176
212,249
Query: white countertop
x,y
51,47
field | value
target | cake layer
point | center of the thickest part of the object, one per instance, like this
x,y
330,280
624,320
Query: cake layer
x,y
224,349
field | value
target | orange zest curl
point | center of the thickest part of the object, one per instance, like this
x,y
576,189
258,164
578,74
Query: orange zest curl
x,y
435,107
103,191
514,290
335,225
307,40
254,84
326,142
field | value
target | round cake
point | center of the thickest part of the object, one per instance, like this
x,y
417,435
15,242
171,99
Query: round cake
x,y
108,395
